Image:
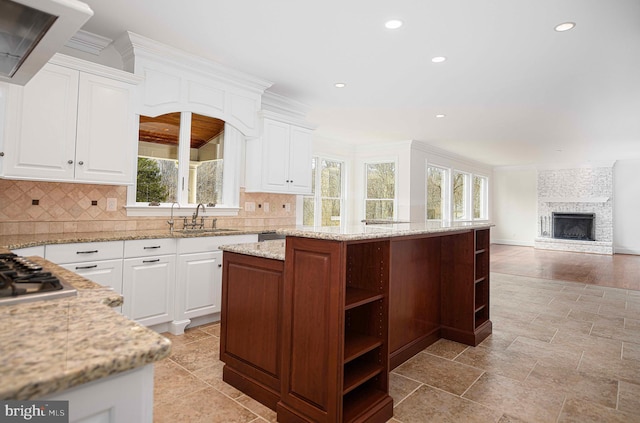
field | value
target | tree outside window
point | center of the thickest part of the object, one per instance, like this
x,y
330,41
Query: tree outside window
x,y
327,194
460,196
480,196
380,190
437,184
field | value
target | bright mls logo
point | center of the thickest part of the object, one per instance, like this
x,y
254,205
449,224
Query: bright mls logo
x,y
34,411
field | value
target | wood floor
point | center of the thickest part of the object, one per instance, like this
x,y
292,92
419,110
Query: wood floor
x,y
618,270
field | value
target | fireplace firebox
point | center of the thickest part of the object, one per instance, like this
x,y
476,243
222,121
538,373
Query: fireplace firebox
x,y
577,226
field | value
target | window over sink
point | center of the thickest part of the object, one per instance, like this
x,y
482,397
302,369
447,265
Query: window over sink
x,y
182,158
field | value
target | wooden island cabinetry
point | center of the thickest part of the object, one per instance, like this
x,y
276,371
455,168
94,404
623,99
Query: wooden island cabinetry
x,y
315,336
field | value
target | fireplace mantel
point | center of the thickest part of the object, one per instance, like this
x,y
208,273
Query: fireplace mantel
x,y
575,200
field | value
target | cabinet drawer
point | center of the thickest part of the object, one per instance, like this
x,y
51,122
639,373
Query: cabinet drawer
x,y
149,247
30,251
83,251
211,243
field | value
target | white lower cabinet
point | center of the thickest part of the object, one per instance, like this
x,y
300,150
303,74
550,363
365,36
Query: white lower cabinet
x,y
100,262
166,283
106,273
148,286
124,397
199,279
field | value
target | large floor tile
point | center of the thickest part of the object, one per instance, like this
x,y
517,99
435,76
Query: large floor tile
x,y
581,411
401,387
428,404
629,398
574,384
204,406
435,371
198,354
172,381
515,399
505,363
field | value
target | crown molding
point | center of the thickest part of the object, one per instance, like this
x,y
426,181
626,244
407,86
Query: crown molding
x,y
88,42
277,103
94,68
132,47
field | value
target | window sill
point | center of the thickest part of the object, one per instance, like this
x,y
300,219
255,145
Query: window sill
x,y
165,210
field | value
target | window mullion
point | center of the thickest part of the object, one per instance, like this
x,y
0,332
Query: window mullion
x,y
184,142
317,200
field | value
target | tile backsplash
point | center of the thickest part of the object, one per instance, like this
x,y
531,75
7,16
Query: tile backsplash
x,y
28,207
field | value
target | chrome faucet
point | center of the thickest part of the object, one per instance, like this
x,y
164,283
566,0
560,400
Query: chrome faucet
x,y
194,219
195,215
170,221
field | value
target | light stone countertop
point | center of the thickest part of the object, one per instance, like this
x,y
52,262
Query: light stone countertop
x,y
373,231
12,242
267,249
276,249
49,346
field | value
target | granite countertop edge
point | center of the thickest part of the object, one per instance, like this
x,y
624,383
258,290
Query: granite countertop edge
x,y
12,242
275,249
380,231
71,341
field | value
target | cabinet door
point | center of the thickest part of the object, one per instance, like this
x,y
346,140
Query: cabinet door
x,y
42,128
106,273
148,289
106,138
300,155
199,284
275,156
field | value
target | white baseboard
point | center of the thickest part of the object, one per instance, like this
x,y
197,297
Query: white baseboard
x,y
632,251
512,242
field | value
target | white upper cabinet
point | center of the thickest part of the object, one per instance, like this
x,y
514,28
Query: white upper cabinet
x,y
106,138
281,160
68,124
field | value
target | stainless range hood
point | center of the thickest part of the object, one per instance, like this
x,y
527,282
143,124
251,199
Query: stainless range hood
x,y
32,31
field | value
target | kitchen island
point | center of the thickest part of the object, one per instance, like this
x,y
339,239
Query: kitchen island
x,y
79,349
314,332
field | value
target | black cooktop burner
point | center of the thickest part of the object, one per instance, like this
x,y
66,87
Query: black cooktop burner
x,y
20,277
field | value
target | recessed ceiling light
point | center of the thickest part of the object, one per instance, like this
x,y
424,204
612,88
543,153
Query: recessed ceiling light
x,y
438,59
393,24
565,26
440,115
340,85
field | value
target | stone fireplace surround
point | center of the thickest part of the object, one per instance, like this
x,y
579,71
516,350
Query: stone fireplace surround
x,y
585,189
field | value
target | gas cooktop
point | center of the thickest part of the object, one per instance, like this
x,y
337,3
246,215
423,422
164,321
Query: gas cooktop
x,y
22,280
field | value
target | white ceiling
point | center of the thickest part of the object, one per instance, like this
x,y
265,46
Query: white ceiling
x,y
514,91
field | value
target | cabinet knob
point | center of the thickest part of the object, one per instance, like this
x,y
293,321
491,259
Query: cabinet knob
x,y
219,265
1,153
70,161
80,162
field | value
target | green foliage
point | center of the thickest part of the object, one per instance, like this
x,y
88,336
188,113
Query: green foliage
x,y
149,183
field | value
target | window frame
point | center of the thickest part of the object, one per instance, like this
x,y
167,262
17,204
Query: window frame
x,y
232,145
484,198
445,197
466,196
317,190
469,193
395,188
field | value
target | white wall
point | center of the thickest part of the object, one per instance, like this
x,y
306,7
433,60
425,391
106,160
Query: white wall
x,y
626,197
515,203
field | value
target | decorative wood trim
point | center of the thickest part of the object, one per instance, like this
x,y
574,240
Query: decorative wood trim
x,y
88,42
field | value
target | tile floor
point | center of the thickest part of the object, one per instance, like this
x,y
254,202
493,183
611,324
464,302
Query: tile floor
x,y
560,352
